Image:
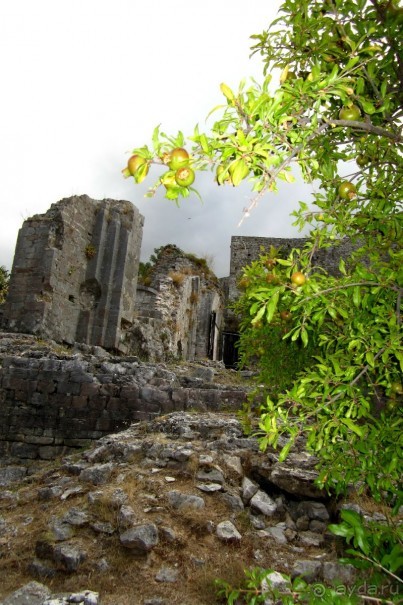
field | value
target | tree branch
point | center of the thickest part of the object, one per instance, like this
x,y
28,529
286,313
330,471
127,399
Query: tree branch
x,y
351,285
367,127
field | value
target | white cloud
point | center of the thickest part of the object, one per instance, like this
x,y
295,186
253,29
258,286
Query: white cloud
x,y
85,81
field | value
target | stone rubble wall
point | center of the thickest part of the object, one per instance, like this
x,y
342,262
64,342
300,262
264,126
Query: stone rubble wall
x,y
178,493
50,405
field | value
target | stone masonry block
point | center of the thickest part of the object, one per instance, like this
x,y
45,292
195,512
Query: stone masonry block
x,y
68,388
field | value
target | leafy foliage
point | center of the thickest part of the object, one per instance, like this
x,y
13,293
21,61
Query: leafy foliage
x,y
336,115
262,344
377,550
377,545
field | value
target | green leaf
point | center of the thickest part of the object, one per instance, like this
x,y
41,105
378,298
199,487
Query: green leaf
x,y
155,138
369,356
227,92
357,296
238,170
341,530
286,450
353,427
342,266
272,305
351,517
393,561
259,314
367,106
304,336
141,173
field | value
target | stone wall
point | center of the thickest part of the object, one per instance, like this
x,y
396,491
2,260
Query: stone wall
x,y
244,250
52,404
179,313
75,272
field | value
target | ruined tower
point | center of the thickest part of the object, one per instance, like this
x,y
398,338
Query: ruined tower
x,y
75,269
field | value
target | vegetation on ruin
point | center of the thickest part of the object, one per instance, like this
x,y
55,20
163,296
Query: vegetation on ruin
x,y
330,106
90,251
4,278
201,264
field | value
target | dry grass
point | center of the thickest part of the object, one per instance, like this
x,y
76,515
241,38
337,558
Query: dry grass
x,y
177,278
194,550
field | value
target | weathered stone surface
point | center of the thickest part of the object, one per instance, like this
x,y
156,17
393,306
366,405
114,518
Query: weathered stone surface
x,y
318,527
70,557
79,400
10,474
47,493
35,593
275,533
310,538
233,463
97,474
334,571
81,598
76,517
210,475
296,476
249,489
310,570
179,291
42,569
67,297
140,539
32,593
263,503
178,519
126,517
227,531
302,523
103,527
182,501
61,530
233,501
167,574
209,487
313,510
167,533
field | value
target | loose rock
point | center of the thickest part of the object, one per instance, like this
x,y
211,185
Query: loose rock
x,y
228,532
140,539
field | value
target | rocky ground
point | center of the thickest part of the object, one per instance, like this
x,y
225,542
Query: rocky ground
x,y
154,514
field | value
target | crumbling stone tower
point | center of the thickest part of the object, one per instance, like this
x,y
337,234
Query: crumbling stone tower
x,y
75,269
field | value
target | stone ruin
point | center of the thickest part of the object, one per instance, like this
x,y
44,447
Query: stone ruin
x,y
179,313
75,272
75,279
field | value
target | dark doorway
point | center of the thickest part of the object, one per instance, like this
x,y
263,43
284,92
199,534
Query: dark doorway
x,y
229,349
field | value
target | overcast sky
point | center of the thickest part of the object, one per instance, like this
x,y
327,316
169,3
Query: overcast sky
x,y
85,81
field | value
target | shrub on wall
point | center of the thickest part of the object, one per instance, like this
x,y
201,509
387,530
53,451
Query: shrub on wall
x,y
4,277
177,278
